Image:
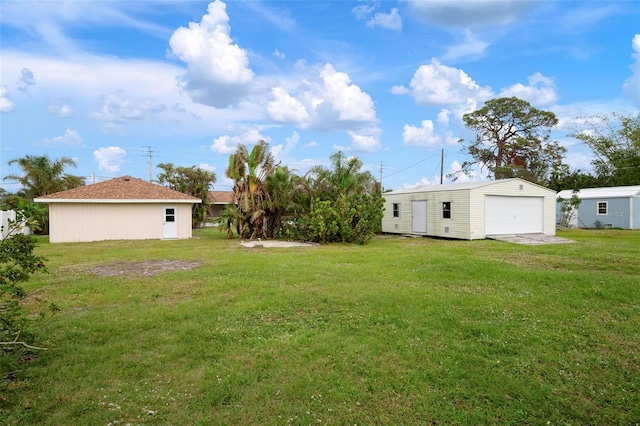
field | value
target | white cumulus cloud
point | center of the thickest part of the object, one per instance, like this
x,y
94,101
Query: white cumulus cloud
x,y
70,138
227,144
390,21
631,86
470,47
109,158
6,105
218,72
60,109
443,117
541,90
346,99
420,136
117,110
475,174
438,84
327,100
207,167
284,108
280,150
367,142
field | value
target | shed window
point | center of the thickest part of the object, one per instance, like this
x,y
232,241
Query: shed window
x,y
446,210
603,208
396,209
169,214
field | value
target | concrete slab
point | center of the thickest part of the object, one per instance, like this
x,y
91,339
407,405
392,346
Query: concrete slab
x,y
275,243
530,239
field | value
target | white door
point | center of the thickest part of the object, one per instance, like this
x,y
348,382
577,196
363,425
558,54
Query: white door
x,y
170,227
419,217
513,215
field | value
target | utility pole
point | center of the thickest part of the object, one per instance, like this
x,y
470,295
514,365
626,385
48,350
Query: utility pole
x,y
441,166
381,168
150,155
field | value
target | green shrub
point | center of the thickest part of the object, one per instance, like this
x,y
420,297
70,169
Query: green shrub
x,y
353,219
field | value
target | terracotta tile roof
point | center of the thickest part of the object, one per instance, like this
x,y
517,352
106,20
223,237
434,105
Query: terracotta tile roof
x,y
221,197
120,188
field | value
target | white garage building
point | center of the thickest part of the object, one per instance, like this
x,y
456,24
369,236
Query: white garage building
x,y
471,210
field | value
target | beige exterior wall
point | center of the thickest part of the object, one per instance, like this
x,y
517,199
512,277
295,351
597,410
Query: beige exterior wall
x,y
75,222
456,227
403,223
468,209
514,188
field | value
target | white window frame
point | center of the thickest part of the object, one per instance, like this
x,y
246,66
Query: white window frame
x,y
606,208
450,210
395,209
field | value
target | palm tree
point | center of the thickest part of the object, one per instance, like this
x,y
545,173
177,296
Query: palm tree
x,y
228,220
249,171
344,178
42,176
286,200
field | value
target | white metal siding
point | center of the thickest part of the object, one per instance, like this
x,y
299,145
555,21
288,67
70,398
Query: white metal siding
x,y
458,225
468,208
513,215
419,217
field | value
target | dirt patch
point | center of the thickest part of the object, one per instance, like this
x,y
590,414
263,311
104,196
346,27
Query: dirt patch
x,y
144,269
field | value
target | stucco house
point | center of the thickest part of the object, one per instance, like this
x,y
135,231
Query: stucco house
x,y
610,207
471,210
219,201
124,208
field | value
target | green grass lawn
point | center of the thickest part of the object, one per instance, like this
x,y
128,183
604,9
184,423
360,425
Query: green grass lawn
x,y
398,331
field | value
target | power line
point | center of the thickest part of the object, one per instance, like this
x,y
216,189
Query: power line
x,y
149,154
413,165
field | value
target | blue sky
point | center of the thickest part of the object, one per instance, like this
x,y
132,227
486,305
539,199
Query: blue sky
x,y
104,82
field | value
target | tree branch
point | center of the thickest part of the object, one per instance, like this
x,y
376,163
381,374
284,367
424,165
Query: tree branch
x,y
16,342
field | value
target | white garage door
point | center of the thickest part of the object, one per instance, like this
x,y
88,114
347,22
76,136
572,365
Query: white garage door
x,y
513,215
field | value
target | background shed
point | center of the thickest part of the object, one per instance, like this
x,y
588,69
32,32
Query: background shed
x,y
471,210
611,207
124,208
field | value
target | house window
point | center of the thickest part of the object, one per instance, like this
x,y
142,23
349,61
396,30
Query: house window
x,y
603,208
396,209
446,210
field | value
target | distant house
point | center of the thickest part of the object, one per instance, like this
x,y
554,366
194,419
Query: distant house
x,y
471,210
610,207
219,200
124,208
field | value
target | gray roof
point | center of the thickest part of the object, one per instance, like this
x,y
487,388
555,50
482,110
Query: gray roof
x,y
606,192
455,186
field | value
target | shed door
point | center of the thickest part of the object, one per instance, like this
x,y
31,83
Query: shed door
x,y
170,227
419,217
513,215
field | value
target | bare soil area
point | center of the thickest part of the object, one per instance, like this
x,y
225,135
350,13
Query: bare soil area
x,y
144,269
